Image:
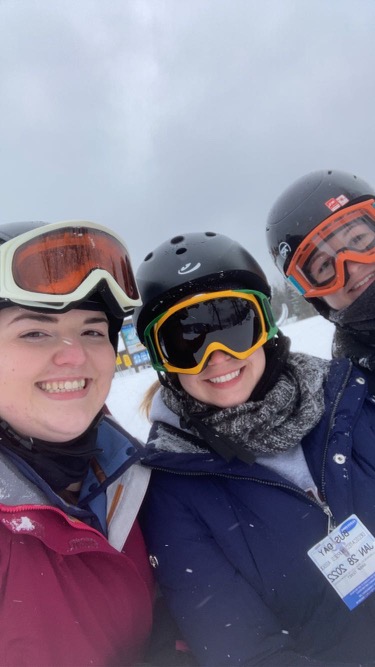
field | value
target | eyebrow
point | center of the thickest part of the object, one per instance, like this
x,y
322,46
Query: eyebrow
x,y
41,317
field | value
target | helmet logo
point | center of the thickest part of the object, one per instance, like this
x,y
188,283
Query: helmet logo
x,y
284,249
336,202
187,268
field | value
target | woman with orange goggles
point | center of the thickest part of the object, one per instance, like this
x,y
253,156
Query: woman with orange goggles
x,y
321,235
247,447
76,583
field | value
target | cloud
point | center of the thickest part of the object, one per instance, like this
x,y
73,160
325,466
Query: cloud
x,y
156,117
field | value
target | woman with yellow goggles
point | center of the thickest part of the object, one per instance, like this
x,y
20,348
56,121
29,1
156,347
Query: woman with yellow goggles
x,y
182,339
246,450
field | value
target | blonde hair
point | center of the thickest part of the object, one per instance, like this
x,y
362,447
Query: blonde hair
x,y
145,407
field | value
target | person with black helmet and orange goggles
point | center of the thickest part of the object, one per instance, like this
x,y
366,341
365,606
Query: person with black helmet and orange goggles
x,y
321,236
260,468
76,583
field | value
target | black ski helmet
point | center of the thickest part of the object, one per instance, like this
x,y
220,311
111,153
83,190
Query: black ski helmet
x,y
305,204
10,231
203,261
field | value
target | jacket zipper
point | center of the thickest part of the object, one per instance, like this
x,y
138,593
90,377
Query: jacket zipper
x,y
323,506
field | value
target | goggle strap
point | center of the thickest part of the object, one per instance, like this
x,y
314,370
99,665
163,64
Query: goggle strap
x,y
296,284
268,314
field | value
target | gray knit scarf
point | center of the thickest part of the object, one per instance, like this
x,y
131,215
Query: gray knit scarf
x,y
289,410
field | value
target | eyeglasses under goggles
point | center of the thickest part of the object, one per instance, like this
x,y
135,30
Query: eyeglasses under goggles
x,y
62,263
235,321
318,265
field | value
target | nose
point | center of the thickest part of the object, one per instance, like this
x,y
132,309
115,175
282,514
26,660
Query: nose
x,y
70,352
217,357
353,266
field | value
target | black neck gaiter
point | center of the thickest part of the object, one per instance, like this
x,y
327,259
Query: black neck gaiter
x,y
354,336
58,463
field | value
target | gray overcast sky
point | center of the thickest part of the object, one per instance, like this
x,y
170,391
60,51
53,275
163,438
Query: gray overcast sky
x,y
156,117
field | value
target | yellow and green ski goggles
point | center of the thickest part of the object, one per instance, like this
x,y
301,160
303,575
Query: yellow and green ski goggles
x,y
235,321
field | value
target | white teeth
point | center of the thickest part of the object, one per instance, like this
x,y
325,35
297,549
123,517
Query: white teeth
x,y
225,378
61,386
363,281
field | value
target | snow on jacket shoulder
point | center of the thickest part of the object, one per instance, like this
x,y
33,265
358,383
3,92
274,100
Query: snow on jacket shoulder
x,y
70,596
230,541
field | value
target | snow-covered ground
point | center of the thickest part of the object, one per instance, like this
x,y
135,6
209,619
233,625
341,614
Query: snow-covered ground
x,y
312,336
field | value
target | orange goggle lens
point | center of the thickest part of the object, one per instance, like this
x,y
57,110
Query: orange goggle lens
x,y
57,262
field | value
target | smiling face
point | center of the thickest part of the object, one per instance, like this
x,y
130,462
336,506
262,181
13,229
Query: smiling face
x,y
357,236
335,261
226,381
55,371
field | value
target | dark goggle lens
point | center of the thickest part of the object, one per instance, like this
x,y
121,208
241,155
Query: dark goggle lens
x,y
58,262
186,334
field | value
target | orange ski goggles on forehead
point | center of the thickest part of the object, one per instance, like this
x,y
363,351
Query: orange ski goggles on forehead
x,y
318,265
58,264
182,339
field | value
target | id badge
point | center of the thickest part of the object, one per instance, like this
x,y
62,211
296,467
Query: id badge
x,y
346,557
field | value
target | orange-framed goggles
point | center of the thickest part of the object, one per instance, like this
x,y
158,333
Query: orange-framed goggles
x,y
318,265
235,321
59,264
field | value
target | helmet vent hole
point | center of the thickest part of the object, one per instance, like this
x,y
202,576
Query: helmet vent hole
x,y
210,234
177,239
180,251
148,257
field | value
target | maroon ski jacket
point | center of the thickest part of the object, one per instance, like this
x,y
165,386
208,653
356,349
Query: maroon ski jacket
x,y
70,595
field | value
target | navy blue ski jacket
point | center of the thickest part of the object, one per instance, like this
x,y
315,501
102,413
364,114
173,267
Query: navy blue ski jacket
x,y
229,543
